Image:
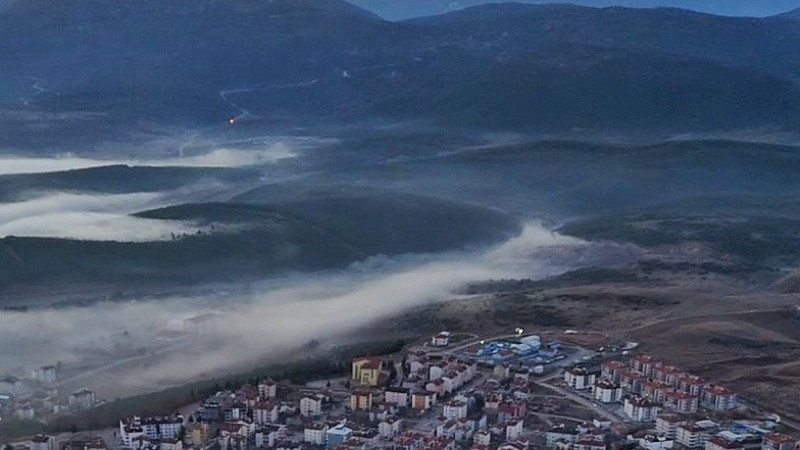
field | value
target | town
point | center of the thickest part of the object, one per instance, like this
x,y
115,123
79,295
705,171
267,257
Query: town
x,y
453,391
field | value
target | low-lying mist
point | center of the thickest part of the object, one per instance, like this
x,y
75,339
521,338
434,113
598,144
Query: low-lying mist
x,y
94,217
227,155
158,348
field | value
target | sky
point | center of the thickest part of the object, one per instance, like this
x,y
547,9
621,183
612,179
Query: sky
x,y
399,9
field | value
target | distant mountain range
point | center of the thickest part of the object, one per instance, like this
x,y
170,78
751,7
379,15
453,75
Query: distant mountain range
x,y
499,66
406,9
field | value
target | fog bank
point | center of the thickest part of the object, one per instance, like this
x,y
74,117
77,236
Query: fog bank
x,y
94,217
222,157
281,315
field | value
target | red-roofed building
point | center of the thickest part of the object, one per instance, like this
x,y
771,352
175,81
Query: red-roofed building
x,y
681,402
778,441
611,370
691,383
719,398
644,364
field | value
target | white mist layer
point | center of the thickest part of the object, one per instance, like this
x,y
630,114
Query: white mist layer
x,y
249,330
89,217
217,158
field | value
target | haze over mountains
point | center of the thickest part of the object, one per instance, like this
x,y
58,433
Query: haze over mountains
x,y
398,10
531,68
261,159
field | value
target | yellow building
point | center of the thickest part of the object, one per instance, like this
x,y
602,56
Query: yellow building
x,y
367,371
197,434
361,400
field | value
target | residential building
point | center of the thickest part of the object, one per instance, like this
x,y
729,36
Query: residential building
x,y
441,340
631,381
42,442
265,435
651,442
579,378
197,434
265,412
644,364
455,410
691,384
718,398
367,371
82,399
640,409
267,389
667,425
311,405
692,435
667,374
514,429
423,400
560,435
589,442
778,441
482,438
501,371
611,370
361,400
397,396
655,390
46,374
720,443
315,433
606,391
390,427
337,435
680,402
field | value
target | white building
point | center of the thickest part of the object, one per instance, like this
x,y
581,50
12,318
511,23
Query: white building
x,y
390,427
311,406
397,396
455,410
656,442
607,392
265,412
337,435
267,389
42,442
482,438
269,435
513,430
441,340
13,386
46,374
151,428
315,434
579,378
667,425
82,399
692,436
640,409
719,398
435,372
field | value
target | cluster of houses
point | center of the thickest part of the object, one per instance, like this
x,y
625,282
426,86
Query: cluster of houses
x,y
681,431
37,396
432,402
645,386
